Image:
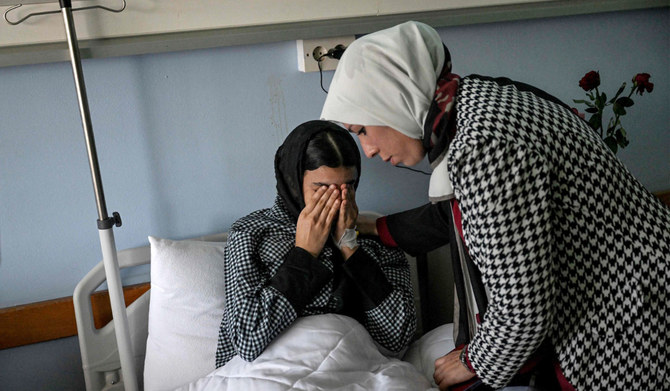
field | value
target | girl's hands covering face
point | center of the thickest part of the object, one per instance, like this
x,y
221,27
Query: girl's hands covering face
x,y
316,219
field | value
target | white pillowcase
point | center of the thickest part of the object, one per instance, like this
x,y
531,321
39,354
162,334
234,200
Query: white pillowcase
x,y
185,311
431,346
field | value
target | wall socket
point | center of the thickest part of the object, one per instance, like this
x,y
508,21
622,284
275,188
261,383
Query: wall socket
x,y
307,48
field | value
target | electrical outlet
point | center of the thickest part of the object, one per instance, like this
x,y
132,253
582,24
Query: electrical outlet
x,y
309,48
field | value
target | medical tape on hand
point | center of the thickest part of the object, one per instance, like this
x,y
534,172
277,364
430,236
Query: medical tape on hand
x,y
348,239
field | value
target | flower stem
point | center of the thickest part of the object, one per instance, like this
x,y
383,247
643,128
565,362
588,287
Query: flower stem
x,y
601,108
612,129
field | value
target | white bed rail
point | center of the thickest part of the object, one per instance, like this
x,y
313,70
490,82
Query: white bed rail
x,y
99,351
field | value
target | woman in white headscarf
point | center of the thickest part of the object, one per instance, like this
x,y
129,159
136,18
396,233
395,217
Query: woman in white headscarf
x,y
568,291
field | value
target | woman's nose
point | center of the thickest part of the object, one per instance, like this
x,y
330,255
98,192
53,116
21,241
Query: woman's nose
x,y
369,150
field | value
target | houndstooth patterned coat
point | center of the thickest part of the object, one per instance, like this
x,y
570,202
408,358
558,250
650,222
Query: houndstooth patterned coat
x,y
570,245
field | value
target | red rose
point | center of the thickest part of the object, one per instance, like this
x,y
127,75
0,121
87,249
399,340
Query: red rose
x,y
590,81
641,83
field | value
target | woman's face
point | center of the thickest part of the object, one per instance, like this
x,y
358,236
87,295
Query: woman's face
x,y
326,176
391,145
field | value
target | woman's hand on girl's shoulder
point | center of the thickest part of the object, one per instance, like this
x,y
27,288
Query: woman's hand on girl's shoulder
x,y
367,225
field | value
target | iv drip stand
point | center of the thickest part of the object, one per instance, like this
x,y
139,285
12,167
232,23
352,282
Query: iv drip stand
x,y
105,223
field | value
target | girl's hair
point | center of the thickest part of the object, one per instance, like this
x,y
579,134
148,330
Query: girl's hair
x,y
332,148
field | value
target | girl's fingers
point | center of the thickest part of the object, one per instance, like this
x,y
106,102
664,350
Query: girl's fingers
x,y
333,211
316,196
332,199
351,201
351,196
324,202
321,196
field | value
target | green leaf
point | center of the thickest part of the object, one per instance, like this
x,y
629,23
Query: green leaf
x,y
621,138
601,100
591,110
625,102
621,134
618,109
611,143
579,100
596,121
623,86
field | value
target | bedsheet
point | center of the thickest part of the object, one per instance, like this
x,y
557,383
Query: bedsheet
x,y
321,352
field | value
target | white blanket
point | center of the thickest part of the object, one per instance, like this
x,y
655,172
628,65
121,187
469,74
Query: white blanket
x,y
322,352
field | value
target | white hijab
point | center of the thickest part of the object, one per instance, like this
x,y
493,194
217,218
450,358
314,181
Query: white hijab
x,y
388,78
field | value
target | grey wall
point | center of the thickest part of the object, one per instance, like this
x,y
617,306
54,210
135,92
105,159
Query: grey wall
x,y
52,365
186,142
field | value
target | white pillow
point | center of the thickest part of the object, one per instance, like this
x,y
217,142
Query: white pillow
x,y
431,346
185,311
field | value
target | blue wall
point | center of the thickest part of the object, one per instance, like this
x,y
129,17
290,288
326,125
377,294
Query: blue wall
x,y
186,140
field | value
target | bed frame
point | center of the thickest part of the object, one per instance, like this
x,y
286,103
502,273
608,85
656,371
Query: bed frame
x,y
99,352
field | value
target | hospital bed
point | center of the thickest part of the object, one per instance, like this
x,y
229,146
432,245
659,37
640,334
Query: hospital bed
x,y
174,330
